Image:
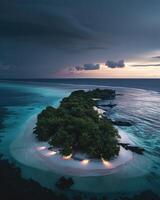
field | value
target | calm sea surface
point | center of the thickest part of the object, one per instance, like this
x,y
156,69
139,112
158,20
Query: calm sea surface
x,y
140,103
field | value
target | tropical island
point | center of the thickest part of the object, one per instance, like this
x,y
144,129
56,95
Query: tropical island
x,y
76,126
78,138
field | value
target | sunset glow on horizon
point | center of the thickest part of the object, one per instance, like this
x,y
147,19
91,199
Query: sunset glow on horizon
x,y
129,71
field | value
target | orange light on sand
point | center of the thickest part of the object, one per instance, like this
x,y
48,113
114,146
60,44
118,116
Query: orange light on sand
x,y
41,148
51,153
107,163
67,157
85,162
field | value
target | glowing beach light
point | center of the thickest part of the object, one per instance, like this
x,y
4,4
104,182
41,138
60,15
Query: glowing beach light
x,y
51,153
41,148
67,157
85,162
107,163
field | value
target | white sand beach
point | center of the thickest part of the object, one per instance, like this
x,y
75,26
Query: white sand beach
x,y
28,150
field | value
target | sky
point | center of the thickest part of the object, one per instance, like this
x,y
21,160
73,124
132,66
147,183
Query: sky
x,y
79,38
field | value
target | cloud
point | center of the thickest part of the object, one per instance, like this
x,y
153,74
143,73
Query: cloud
x,y
157,57
42,37
87,67
79,68
146,65
47,24
113,64
91,66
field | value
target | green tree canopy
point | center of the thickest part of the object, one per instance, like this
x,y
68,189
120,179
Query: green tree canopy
x,y
76,127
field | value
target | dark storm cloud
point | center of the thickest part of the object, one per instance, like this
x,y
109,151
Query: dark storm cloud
x,y
91,66
40,37
39,23
79,68
87,67
113,64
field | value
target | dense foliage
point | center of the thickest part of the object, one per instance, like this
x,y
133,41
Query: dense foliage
x,y
76,127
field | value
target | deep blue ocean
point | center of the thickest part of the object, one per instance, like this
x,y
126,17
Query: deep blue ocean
x,y
149,84
139,102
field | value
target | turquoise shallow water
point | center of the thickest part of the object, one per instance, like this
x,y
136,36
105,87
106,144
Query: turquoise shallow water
x,y
20,101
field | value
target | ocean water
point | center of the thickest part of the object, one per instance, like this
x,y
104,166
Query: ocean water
x,y
19,100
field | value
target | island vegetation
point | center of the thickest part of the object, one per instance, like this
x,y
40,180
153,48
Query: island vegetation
x,y
76,127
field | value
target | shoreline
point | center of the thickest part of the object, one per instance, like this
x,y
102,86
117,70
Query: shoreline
x,y
27,150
